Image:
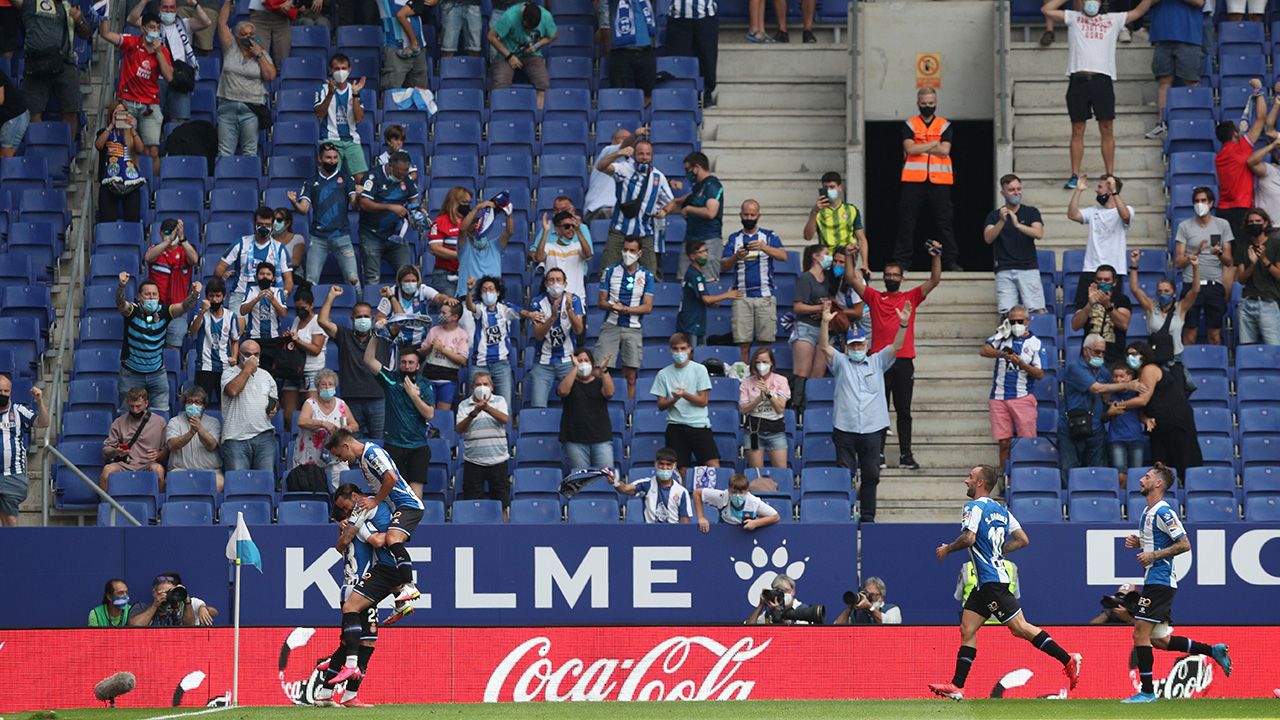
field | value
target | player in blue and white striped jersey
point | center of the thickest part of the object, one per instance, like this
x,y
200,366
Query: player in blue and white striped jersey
x,y
1161,537
988,530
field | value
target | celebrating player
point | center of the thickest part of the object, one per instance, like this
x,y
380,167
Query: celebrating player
x,y
1161,537
361,540
985,525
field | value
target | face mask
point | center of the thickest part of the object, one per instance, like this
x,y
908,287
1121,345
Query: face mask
x,y
892,285
408,288
1201,209
857,355
1096,362
1165,298
277,226
444,319
926,112
555,290
121,601
262,231
737,502
691,177
328,168
1013,200
1018,329
4,401
680,358
1133,361
1102,198
340,76
825,262
168,18
464,209
328,393
489,298
700,262
153,36
838,270
265,283
362,324
749,225
194,410
630,258
1091,7
150,305
643,167
1104,287
833,194
584,369
303,313
215,306
664,474
763,368
137,415
482,393
1254,229
562,240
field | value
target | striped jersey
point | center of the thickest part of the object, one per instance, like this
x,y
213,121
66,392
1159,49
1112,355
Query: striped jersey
x,y
627,288
262,322
664,505
245,255
330,197
214,340
634,181
992,523
15,424
838,226
338,124
556,347
419,304
492,330
753,276
375,463
1159,528
142,350
693,9
392,34
360,557
1008,381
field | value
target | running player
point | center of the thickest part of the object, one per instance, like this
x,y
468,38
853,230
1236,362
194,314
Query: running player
x,y
1161,537
988,531
361,537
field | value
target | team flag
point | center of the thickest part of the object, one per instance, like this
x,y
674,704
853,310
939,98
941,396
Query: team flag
x,y
240,547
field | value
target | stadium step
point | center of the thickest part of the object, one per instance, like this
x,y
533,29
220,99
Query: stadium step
x,y
789,157
1045,125
780,127
1051,157
792,94
1133,61
1044,190
1051,93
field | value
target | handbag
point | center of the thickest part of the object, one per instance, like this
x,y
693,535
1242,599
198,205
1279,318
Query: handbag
x,y
1162,341
44,63
1080,424
184,77
265,120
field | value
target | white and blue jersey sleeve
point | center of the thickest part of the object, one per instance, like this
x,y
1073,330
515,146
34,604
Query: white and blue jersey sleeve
x,y
376,463
991,523
1159,528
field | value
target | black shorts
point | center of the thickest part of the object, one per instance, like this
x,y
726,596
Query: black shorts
x,y
1091,95
486,481
1212,302
1155,604
378,583
993,599
411,462
405,519
10,29
690,443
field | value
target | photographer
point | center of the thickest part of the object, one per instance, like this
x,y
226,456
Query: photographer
x,y
868,607
778,606
1120,607
172,606
737,506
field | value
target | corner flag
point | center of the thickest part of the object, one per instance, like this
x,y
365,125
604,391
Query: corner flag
x,y
241,548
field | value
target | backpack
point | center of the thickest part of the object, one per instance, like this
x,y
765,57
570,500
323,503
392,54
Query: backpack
x,y
307,479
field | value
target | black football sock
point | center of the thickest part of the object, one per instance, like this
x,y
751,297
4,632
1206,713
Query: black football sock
x,y
336,660
404,567
1046,645
363,654
1188,646
1146,659
352,629
964,661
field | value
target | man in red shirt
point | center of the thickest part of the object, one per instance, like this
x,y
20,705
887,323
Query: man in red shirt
x,y
899,379
143,60
170,264
1235,179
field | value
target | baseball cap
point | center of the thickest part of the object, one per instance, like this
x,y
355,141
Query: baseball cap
x,y
855,335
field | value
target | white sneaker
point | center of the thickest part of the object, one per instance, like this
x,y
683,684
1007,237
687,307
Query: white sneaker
x,y
1125,35
407,593
1156,132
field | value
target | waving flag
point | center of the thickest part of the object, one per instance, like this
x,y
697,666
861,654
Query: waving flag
x,y
240,547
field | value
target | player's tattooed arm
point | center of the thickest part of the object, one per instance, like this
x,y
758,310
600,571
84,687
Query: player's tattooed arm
x,y
1018,541
966,540
1179,546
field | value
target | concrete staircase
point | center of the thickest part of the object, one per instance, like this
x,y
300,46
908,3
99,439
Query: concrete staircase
x,y
1042,130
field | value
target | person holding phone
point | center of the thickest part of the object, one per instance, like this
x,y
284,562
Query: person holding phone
x,y
1012,404
835,221
1211,238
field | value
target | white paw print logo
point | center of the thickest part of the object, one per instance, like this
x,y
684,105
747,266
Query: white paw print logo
x,y
768,566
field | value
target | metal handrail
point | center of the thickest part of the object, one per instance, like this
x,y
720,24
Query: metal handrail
x,y
855,11
1002,67
79,266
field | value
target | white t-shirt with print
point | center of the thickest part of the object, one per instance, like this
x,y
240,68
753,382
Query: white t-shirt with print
x,y
754,507
307,334
1091,42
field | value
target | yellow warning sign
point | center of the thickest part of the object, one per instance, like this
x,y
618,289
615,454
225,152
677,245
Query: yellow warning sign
x,y
929,70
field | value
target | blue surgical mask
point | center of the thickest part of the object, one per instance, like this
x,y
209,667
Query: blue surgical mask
x,y
277,226
168,18
1104,287
362,324
1013,200
194,410
489,298
857,355
121,601
839,270
1133,361
825,262
664,474
328,393
737,502
150,306
680,358
1096,361
833,194
1091,7
1165,298
153,36
409,288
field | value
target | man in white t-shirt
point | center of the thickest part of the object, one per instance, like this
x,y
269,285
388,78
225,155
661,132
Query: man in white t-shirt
x,y
665,500
1266,186
1091,67
602,191
737,506
1108,222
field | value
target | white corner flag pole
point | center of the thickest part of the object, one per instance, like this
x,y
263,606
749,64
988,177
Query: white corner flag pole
x,y
235,670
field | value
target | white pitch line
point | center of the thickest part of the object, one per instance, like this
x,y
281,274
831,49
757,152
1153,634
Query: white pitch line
x,y
190,714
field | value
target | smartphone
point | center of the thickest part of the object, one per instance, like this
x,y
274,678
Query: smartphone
x,y
1215,240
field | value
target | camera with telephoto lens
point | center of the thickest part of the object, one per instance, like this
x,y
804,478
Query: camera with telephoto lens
x,y
175,600
780,614
853,597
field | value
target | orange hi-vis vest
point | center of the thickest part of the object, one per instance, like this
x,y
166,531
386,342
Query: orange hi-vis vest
x,y
931,168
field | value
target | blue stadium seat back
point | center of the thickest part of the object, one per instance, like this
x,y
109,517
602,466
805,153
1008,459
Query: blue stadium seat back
x,y
303,68
1047,423
85,423
256,512
477,512
433,512
538,451
670,132
294,101
365,36
455,166
310,36
1136,505
676,103
34,301
1213,421
534,511
1192,167
1242,66
1037,479
110,517
302,512
509,166
784,506
828,510
513,135
684,71
233,200
294,138
625,100
1262,508
1254,389
574,39
1036,509
1189,135
784,478
541,482
461,72
186,513
566,136
1209,480
192,485
1260,450
1218,451
571,72
1033,451
567,103
514,103
539,421
562,168
294,169
69,491
1205,358
824,481
1211,508
635,511
1258,357
117,234
458,138
593,510
1259,419
136,482
1093,508
242,484
1211,390
1262,480
1093,480
93,393
643,450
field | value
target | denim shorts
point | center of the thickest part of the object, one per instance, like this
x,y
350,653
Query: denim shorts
x,y
1181,60
806,333
150,121
461,26
765,441
12,132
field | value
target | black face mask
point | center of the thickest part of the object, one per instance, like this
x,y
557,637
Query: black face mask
x,y
137,415
265,283
1103,198
464,209
1255,229
926,112
215,306
4,401
892,285
328,168
749,225
303,313
262,231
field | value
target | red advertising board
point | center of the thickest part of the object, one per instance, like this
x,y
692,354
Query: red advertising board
x,y
192,667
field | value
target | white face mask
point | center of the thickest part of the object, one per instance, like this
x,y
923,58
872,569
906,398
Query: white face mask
x,y
1018,329
482,393
1201,209
630,258
340,76
584,369
555,290
763,368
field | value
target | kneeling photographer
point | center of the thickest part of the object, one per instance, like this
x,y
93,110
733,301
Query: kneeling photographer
x,y
868,606
172,606
778,606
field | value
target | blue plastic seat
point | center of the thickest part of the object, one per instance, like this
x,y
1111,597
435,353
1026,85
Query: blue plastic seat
x,y
138,486
538,451
184,513
293,138
1035,480
566,136
1255,389
455,168
1259,420
1241,37
121,234
81,424
249,485
537,482
192,485
675,136
1260,450
1210,480
1262,508
534,511
365,36
457,138
575,39
513,104
1136,504
1093,480
110,517
1255,360
1190,103
1033,451
33,302
240,170
561,168
1242,68
256,512
1217,451
684,71
92,394
1211,391
476,512
289,171
1193,167
567,103
70,492
1093,508
1213,421
433,512
635,511
513,135
593,510
461,72
1211,508
675,104
571,72
825,482
1189,135
301,512
512,168
825,510
786,510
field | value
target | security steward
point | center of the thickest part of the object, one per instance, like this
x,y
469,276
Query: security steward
x,y
926,181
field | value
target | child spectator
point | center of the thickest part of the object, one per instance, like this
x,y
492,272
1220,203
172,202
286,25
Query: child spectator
x,y
692,318
393,136
1124,432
